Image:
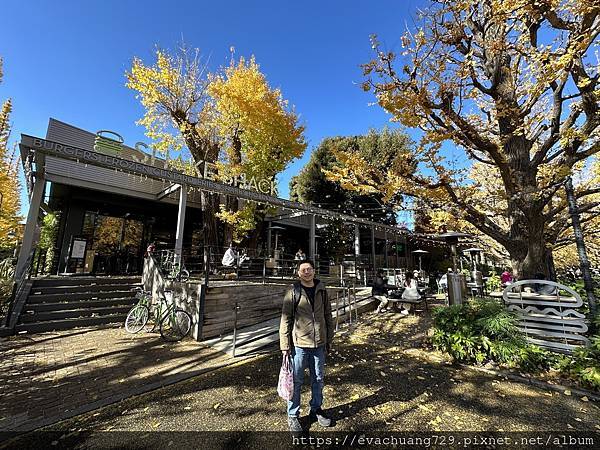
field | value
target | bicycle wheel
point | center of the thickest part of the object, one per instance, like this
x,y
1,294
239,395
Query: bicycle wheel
x,y
137,318
176,325
184,276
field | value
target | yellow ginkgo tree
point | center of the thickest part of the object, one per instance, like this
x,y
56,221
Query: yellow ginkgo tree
x,y
513,86
257,132
9,182
231,118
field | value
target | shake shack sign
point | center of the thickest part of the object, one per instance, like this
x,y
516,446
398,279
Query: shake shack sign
x,y
137,168
105,160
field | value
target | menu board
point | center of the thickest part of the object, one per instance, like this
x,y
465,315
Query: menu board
x,y
78,248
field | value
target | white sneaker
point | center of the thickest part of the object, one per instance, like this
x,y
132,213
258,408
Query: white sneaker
x,y
404,312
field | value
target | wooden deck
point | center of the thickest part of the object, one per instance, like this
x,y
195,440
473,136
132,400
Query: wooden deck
x,y
264,336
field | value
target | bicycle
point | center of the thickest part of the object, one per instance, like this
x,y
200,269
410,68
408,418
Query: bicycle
x,y
138,316
179,273
174,323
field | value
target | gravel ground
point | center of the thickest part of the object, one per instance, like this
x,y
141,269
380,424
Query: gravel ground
x,y
380,378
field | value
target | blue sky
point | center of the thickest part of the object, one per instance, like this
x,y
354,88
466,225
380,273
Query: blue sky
x,y
67,59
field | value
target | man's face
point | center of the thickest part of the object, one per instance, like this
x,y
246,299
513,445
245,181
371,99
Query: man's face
x,y
306,272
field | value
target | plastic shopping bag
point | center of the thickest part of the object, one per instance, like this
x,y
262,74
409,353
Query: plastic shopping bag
x,y
285,387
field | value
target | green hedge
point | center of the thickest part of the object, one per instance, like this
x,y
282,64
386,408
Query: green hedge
x,y
484,331
478,331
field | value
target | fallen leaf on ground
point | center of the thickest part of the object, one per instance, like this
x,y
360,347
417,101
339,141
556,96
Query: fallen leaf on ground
x,y
567,392
585,399
371,411
435,421
216,405
425,408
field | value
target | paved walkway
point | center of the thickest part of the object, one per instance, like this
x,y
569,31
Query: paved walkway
x,y
48,377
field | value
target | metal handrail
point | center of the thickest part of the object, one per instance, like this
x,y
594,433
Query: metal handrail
x,y
18,287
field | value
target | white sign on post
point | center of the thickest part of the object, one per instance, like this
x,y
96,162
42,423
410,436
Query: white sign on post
x,y
78,249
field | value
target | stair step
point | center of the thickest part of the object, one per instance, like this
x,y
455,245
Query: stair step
x,y
41,290
70,314
81,281
66,306
67,324
67,296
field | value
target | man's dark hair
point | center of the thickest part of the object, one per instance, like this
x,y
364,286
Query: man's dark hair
x,y
306,261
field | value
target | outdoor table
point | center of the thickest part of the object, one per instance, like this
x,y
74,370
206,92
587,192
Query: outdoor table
x,y
395,301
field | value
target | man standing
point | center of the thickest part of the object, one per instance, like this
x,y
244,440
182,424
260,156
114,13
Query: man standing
x,y
305,334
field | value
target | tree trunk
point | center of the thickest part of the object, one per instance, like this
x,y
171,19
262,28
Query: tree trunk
x,y
209,208
529,253
232,203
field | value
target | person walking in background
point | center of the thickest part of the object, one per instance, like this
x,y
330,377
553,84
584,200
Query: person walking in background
x,y
306,331
150,250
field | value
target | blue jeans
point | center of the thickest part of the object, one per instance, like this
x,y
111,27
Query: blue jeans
x,y
314,358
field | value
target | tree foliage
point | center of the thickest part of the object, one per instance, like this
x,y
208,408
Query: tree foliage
x,y
373,152
258,134
515,86
231,118
10,203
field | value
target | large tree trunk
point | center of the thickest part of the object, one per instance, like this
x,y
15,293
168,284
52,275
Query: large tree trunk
x,y
529,253
232,203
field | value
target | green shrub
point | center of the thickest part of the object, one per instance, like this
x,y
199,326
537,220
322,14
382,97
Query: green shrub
x,y
6,287
493,283
534,359
7,268
478,331
584,364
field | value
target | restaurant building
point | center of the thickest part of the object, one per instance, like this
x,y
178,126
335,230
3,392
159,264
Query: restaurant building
x,y
112,200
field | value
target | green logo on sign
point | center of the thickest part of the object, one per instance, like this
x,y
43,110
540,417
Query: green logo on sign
x,y
108,145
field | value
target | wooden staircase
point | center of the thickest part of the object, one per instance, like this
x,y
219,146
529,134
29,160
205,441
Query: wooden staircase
x,y
62,303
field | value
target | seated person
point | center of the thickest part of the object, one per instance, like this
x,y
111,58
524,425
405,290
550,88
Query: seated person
x,y
300,255
544,289
379,291
417,275
506,278
242,258
230,257
410,292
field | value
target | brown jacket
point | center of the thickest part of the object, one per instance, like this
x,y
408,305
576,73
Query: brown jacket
x,y
307,328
